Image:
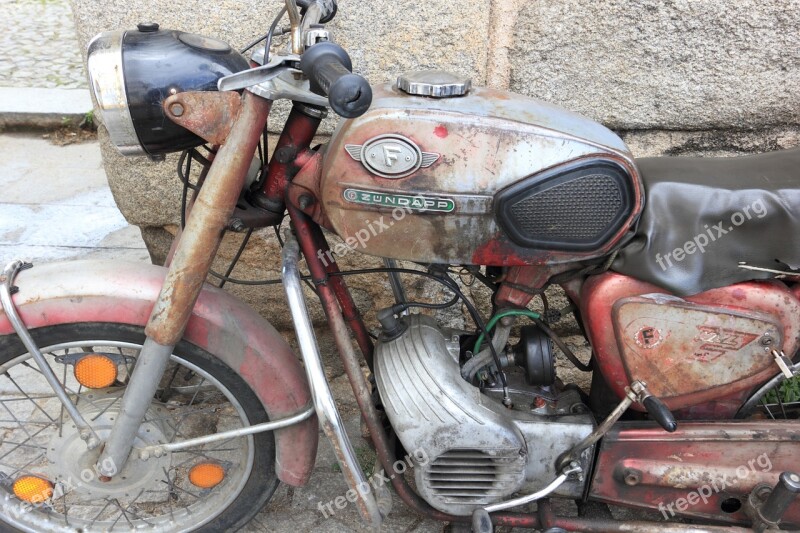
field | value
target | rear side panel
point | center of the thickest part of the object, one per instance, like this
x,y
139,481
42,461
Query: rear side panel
x,y
418,179
710,348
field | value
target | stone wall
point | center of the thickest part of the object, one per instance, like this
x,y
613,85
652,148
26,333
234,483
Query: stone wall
x,y
707,77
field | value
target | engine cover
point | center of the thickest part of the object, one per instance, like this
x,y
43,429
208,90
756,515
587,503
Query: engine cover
x,y
478,451
488,178
711,347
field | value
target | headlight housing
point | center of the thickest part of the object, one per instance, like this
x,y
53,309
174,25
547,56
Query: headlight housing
x,y
132,72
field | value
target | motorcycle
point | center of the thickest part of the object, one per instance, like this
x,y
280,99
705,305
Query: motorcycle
x,y
140,397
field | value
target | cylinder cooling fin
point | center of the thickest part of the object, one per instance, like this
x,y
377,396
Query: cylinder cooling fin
x,y
578,207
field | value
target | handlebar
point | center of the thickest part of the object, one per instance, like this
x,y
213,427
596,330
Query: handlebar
x,y
329,68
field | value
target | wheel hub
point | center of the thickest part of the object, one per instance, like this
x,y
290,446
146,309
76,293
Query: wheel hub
x,y
74,466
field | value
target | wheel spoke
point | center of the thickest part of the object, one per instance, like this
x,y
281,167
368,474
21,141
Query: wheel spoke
x,y
189,402
39,407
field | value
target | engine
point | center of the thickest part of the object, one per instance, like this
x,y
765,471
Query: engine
x,y
478,451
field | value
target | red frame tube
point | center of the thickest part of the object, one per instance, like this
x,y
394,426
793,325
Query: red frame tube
x,y
297,135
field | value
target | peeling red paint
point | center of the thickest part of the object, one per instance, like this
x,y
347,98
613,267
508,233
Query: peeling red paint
x,y
773,301
122,292
496,252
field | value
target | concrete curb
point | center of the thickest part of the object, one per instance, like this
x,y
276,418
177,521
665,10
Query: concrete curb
x,y
42,108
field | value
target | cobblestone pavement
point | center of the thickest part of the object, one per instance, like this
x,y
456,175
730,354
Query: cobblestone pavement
x,y
39,47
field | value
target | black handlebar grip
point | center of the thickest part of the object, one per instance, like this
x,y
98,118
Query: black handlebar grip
x,y
660,413
328,67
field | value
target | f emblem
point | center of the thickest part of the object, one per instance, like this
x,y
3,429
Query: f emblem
x,y
391,156
390,153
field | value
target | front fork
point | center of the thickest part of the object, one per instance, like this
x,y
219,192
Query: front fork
x,y
190,265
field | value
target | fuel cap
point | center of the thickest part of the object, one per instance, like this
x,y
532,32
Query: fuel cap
x,y
147,27
435,83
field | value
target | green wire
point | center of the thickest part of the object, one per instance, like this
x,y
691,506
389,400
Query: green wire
x,y
502,314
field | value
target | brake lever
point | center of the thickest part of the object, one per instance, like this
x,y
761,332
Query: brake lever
x,y
281,87
276,66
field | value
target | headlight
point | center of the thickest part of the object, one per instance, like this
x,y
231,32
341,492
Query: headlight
x,y
132,72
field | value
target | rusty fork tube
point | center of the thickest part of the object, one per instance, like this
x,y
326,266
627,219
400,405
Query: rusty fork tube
x,y
187,273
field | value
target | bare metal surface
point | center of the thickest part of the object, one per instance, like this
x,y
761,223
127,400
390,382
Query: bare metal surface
x,y
326,409
284,86
142,385
538,495
159,449
296,30
209,115
435,83
488,140
7,281
464,432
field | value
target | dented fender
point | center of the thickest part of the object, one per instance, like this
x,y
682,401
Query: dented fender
x,y
123,292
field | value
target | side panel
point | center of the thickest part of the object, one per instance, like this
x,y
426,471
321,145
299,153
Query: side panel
x,y
120,292
770,301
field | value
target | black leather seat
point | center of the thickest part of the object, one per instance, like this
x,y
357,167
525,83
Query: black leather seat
x,y
703,216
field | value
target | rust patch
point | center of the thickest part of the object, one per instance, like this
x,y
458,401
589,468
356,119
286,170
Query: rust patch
x,y
209,115
721,459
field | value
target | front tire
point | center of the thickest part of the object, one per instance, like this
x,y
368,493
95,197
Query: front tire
x,y
197,395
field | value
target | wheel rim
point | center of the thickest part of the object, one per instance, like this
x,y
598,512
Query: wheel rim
x,y
38,440
777,399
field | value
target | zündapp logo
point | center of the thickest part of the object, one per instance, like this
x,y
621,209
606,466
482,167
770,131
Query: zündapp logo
x,y
415,203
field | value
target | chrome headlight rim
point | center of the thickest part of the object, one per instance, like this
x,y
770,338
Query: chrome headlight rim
x,y
107,81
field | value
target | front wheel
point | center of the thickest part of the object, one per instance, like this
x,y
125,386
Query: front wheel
x,y
48,479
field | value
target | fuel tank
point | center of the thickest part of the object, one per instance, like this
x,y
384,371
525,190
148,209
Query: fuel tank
x,y
488,178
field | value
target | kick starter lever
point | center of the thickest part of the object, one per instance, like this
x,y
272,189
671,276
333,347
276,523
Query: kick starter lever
x,y
658,410
637,392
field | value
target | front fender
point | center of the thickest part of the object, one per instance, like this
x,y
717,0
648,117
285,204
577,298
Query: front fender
x,y
122,292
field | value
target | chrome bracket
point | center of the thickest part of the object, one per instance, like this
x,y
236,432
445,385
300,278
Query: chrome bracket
x,y
7,288
785,364
158,450
327,412
277,65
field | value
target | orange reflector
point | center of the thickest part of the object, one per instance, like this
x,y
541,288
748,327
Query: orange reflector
x,y
33,489
206,475
96,371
